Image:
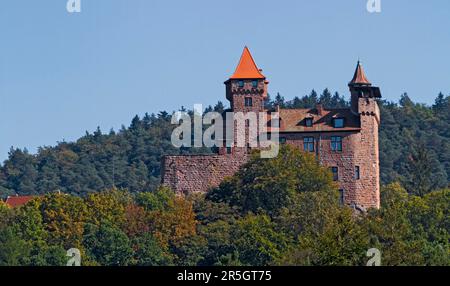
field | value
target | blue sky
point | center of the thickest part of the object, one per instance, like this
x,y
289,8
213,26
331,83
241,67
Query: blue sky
x,y
62,74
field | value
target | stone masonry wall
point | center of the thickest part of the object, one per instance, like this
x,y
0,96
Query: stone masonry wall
x,y
344,160
359,149
199,173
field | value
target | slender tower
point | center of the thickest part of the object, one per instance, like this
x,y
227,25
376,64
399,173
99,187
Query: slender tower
x,y
246,90
364,103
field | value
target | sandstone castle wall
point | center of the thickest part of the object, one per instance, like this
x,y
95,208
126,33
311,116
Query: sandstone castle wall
x,y
199,173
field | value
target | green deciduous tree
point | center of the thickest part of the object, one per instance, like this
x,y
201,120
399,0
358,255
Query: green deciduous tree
x,y
272,184
257,240
64,217
107,244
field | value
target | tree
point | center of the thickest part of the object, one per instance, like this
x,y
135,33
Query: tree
x,y
325,98
441,105
219,107
136,221
13,249
173,224
26,226
207,211
279,101
21,172
420,167
272,184
323,231
430,221
108,206
405,101
64,217
5,214
107,244
342,241
257,240
148,252
392,232
218,236
157,200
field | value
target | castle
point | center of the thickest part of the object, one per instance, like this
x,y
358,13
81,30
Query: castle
x,y
344,139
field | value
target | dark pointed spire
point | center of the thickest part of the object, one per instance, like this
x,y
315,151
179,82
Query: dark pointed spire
x,y
359,78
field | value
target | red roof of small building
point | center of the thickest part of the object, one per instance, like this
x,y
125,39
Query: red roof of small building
x,y
247,68
18,201
359,77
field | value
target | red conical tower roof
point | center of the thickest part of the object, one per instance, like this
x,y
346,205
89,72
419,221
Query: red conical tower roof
x,y
360,76
247,68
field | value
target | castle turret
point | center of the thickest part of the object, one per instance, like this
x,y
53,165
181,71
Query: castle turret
x,y
246,90
363,94
247,87
364,103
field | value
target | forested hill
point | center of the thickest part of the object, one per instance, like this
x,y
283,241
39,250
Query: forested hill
x,y
414,150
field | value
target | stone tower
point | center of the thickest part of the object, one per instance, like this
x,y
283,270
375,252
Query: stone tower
x,y
364,104
246,90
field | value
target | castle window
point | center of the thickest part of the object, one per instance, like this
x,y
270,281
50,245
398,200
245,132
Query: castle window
x,y
248,101
241,83
341,196
308,144
308,122
335,171
338,122
357,173
283,140
336,143
255,84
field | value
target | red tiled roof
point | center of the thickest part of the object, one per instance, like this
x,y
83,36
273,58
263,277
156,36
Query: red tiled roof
x,y
18,201
293,120
247,68
359,77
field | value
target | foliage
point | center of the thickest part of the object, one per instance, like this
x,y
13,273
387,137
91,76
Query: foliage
x,y
159,228
257,240
101,195
107,244
172,225
411,230
271,185
108,206
147,251
109,228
